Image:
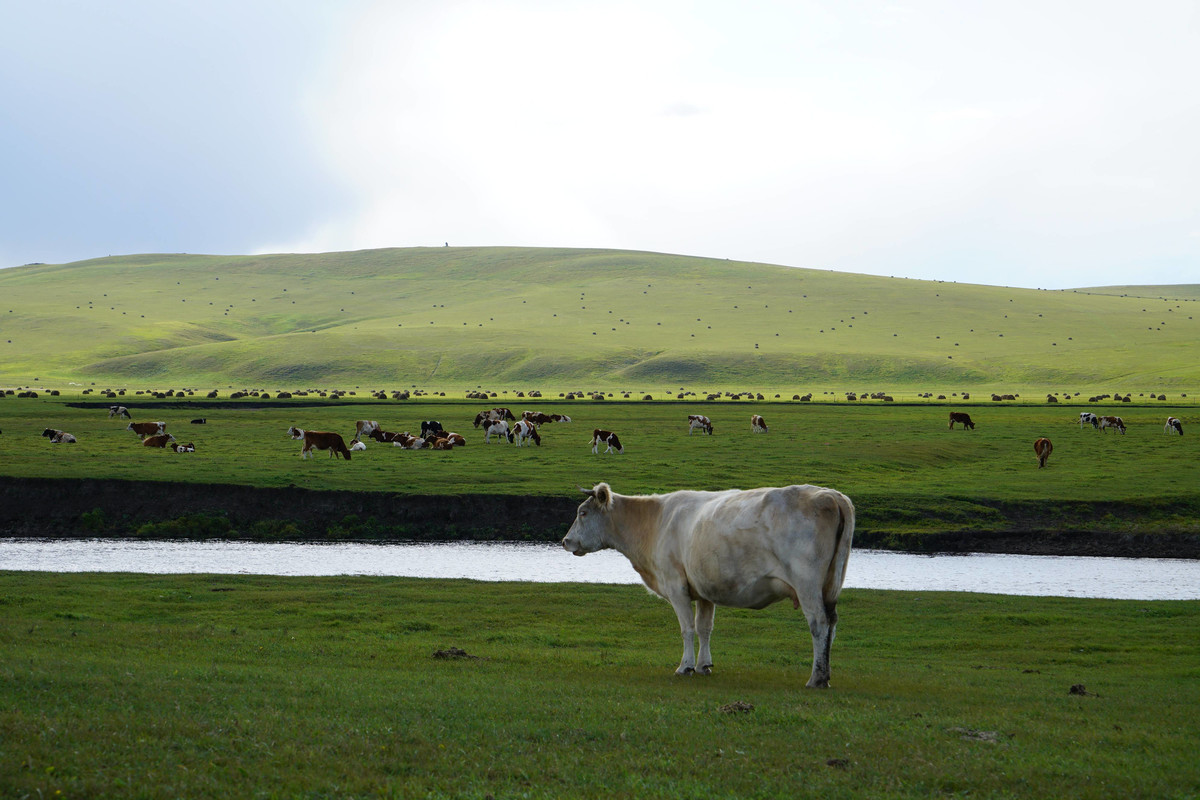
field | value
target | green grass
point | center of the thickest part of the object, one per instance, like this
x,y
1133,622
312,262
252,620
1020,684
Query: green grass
x,y
880,449
452,319
902,466
142,686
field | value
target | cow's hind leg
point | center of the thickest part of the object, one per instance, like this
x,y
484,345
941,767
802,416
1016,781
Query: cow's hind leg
x,y
687,629
822,624
705,611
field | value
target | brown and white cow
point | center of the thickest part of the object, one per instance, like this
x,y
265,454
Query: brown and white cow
x,y
1173,426
1104,423
357,445
495,427
160,440
963,417
58,437
1043,449
118,411
493,415
757,424
320,440
608,438
523,430
364,427
184,448
699,422
539,418
406,441
144,429
740,549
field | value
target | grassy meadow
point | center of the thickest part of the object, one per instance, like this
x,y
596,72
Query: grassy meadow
x,y
148,686
861,449
455,319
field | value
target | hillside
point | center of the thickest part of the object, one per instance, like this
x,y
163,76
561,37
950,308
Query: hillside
x,y
457,318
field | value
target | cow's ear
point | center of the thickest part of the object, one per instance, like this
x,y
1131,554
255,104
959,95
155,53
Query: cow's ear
x,y
603,495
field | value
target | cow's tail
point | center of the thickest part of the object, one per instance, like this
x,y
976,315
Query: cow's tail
x,y
835,573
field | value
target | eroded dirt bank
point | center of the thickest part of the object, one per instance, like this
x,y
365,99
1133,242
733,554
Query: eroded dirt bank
x,y
86,508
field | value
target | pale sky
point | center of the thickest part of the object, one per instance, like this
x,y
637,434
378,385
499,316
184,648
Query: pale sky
x,y
1039,144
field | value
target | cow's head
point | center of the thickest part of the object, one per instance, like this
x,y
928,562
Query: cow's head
x,y
592,521
295,433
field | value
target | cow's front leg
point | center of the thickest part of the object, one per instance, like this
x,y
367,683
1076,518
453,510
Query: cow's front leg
x,y
705,611
687,628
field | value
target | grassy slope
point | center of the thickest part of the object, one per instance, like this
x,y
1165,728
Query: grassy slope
x,y
221,686
456,318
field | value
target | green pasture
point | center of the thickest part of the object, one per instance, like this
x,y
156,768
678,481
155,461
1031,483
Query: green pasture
x,y
457,319
901,463
148,686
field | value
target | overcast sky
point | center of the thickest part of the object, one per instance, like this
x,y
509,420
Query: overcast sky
x,y
1040,144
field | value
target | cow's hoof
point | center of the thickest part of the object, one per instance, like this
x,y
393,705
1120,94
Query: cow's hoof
x,y
813,683
685,671
704,670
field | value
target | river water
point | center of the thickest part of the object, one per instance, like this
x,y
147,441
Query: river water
x,y
1058,576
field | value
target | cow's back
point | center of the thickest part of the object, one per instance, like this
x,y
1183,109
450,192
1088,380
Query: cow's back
x,y
748,548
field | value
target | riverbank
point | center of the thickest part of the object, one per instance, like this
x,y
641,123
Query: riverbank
x,y
73,508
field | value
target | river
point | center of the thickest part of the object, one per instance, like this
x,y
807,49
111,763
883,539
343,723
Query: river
x,y
1058,576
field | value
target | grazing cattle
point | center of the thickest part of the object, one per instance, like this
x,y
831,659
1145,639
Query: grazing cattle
x,y
523,430
118,411
963,417
757,424
58,437
1088,418
320,440
356,445
161,440
184,448
493,415
144,429
495,427
431,426
1104,423
1043,448
364,427
699,422
735,548
1173,426
538,418
608,438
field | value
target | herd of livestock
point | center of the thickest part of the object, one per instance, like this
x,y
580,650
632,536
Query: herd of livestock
x,y
494,423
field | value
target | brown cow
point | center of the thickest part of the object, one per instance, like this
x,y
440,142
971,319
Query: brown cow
x,y
757,424
1043,448
607,438
963,417
320,440
161,440
144,429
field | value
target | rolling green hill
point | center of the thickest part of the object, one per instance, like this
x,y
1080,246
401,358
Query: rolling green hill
x,y
519,318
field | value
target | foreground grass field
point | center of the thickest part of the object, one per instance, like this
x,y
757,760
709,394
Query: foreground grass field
x,y
142,686
453,319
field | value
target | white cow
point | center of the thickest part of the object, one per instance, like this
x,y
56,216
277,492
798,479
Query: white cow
x,y
744,549
1173,426
496,427
1088,418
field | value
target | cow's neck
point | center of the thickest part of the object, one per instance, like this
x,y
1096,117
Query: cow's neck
x,y
634,529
